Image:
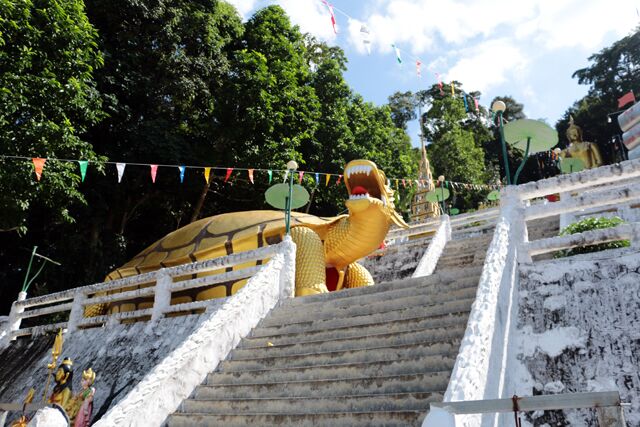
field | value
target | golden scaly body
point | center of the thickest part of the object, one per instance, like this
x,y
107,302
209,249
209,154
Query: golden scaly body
x,y
321,242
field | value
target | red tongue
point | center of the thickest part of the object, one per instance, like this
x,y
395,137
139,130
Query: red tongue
x,y
358,191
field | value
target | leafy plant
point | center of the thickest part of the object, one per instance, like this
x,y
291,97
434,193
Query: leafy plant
x,y
591,224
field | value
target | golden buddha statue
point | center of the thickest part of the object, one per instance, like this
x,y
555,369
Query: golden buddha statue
x,y
62,391
587,152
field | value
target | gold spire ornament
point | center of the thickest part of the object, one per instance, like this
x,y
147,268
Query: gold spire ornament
x,y
421,209
55,353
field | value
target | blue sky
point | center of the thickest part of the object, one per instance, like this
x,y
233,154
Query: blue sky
x,y
524,48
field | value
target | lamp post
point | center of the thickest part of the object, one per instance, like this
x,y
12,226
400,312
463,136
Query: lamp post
x,y
498,108
292,166
441,181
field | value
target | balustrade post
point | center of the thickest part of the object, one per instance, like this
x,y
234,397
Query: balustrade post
x,y
77,311
162,295
15,318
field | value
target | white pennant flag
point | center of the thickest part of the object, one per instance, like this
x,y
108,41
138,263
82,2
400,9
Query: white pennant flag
x,y
120,167
366,40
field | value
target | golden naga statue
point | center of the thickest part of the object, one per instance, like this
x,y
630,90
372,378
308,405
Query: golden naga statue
x,y
587,152
327,248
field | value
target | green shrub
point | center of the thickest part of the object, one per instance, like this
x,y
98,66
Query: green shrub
x,y
591,224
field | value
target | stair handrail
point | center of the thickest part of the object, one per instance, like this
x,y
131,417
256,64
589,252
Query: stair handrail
x,y
162,283
429,259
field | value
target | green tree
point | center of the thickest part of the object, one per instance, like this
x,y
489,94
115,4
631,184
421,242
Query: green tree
x,y
612,73
48,99
403,108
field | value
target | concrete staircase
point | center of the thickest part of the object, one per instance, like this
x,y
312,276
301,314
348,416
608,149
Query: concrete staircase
x,y
372,356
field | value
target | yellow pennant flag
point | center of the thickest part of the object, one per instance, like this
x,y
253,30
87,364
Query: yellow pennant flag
x,y
453,91
326,179
207,172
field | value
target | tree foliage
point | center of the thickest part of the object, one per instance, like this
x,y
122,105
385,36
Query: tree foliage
x,y
613,71
48,99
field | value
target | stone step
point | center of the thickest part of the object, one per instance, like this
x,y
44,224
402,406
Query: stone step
x,y
460,306
376,303
350,344
368,354
434,324
334,370
310,404
334,419
427,382
433,279
385,294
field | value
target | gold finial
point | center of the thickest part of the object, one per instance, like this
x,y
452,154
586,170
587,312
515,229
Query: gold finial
x,y
55,353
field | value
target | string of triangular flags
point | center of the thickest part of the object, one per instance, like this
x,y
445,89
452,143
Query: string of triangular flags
x,y
39,166
365,35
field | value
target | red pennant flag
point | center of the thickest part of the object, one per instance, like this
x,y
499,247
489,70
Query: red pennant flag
x,y
475,100
38,163
300,175
333,16
626,98
251,175
339,178
154,171
418,70
229,170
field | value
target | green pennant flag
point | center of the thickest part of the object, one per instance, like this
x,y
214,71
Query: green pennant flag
x,y
83,168
270,176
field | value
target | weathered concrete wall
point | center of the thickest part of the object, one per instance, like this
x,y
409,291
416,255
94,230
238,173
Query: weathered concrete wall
x,y
397,261
578,330
121,355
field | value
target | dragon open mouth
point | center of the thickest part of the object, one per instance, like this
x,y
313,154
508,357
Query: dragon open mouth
x,y
362,180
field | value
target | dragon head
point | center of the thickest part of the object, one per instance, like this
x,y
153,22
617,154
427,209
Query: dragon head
x,y
367,187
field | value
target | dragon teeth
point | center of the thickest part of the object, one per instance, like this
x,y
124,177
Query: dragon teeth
x,y
359,169
358,196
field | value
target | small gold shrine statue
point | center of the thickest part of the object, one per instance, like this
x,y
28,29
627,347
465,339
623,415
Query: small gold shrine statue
x,y
587,152
62,391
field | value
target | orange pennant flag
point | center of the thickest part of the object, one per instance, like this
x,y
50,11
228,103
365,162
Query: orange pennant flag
x,y
154,171
229,170
326,180
38,163
251,175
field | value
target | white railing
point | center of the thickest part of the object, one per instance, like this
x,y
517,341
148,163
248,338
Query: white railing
x,y
480,369
610,187
607,404
430,258
483,347
157,286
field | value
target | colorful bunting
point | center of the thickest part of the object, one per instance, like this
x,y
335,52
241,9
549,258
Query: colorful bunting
x,y
326,180
439,84
270,172
120,168
38,163
453,91
317,179
339,179
181,169
404,184
83,168
475,100
207,174
418,68
229,170
626,98
300,175
464,98
250,171
154,171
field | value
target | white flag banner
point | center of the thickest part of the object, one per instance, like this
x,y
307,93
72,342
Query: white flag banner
x,y
120,167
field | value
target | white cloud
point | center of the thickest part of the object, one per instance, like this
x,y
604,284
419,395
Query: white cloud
x,y
244,7
488,64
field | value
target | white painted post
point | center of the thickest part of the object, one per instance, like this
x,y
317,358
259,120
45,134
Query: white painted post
x,y
15,318
288,273
610,416
77,311
162,297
